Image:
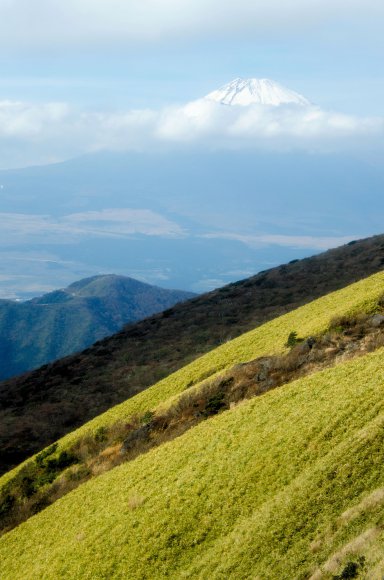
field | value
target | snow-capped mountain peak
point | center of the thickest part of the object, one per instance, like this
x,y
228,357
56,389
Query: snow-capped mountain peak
x,y
261,91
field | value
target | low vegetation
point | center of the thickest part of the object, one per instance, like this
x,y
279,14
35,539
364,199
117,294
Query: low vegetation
x,y
287,485
40,407
209,478
42,481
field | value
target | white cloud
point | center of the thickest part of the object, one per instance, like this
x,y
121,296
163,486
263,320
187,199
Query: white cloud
x,y
18,119
302,123
263,126
43,23
296,242
43,133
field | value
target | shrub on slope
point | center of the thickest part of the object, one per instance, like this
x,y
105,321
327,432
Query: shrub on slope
x,y
43,481
278,487
38,408
270,338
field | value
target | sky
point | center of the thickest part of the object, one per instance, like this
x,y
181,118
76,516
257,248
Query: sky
x,y
85,75
89,76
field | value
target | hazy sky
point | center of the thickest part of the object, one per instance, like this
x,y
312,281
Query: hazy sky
x,y
80,76
74,71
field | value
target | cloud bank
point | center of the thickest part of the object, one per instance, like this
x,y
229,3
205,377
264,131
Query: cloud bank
x,y
263,126
47,23
40,133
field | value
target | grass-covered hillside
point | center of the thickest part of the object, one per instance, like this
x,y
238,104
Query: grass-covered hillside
x,y
41,406
288,484
267,339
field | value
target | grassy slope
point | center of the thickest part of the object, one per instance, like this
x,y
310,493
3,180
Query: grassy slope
x,y
38,408
259,491
267,339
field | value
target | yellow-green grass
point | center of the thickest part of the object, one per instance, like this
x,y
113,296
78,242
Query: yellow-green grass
x,y
270,338
261,491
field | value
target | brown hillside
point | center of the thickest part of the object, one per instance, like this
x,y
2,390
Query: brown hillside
x,y
39,407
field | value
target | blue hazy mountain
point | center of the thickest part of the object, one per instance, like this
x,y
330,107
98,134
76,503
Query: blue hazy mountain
x,y
64,321
206,218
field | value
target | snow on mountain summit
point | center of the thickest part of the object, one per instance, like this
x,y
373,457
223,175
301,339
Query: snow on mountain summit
x,y
262,91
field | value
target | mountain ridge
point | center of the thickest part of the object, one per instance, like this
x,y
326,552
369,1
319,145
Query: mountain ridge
x,y
39,407
56,324
288,484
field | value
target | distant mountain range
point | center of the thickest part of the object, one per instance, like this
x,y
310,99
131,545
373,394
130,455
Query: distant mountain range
x,y
54,325
40,406
186,219
188,214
